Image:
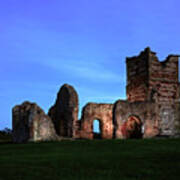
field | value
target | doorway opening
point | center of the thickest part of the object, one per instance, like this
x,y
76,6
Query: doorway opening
x,y
97,129
132,128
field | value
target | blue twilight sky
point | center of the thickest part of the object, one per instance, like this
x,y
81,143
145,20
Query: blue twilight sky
x,y
45,43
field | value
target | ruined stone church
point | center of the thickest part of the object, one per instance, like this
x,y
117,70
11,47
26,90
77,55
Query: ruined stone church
x,y
151,108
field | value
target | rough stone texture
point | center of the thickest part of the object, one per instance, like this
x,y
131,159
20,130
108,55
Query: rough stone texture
x,y
132,128
177,120
148,79
101,112
65,112
152,107
147,118
30,123
137,77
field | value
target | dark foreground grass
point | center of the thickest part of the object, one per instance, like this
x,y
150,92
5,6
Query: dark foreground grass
x,y
84,160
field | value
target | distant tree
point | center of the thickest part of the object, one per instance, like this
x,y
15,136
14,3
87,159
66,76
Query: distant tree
x,y
6,131
5,135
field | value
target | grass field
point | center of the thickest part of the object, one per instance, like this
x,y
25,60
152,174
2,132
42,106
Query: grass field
x,y
84,160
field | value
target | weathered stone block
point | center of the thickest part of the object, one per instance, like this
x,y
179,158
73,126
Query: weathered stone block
x,y
30,123
65,112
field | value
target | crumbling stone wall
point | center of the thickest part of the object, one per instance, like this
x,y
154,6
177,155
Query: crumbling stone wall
x,y
163,80
30,123
101,112
146,112
132,128
148,79
152,107
65,112
137,77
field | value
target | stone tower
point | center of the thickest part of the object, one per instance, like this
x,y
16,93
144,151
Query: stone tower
x,y
148,79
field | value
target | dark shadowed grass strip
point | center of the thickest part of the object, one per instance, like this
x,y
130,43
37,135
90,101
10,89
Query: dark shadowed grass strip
x,y
99,159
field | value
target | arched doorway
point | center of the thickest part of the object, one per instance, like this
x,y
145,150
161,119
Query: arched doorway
x,y
97,129
132,128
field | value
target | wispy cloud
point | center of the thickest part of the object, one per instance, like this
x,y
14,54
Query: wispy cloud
x,y
91,70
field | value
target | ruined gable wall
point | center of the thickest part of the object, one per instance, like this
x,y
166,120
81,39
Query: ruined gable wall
x,y
101,112
64,112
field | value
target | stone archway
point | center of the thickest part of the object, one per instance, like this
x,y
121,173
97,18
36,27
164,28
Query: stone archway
x,y
146,112
101,112
132,128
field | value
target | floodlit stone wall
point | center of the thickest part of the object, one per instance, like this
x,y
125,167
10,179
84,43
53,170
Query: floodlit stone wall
x,y
149,79
101,112
146,112
151,109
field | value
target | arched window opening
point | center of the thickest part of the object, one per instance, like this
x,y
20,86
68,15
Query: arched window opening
x,y
132,128
96,129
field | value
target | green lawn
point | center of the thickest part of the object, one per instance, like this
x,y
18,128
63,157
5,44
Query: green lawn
x,y
84,160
